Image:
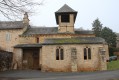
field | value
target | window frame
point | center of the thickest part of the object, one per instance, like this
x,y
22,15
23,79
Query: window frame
x,y
8,36
37,39
87,52
59,53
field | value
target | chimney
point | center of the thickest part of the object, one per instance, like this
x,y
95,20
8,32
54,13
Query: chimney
x,y
26,19
25,22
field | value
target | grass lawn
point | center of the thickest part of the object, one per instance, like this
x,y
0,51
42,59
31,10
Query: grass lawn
x,y
113,65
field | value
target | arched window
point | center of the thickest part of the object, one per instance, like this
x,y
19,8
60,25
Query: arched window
x,y
59,53
87,53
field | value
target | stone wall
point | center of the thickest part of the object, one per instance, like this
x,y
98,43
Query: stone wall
x,y
9,38
49,62
66,26
17,58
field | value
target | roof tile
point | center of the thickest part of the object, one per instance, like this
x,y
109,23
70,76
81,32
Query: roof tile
x,y
65,8
50,30
11,25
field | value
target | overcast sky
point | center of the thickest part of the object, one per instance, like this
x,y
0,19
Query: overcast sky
x,y
88,10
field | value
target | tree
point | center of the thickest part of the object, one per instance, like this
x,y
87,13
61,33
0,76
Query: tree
x,y
13,8
97,27
109,36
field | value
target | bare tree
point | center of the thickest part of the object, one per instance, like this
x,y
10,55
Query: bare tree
x,y
13,8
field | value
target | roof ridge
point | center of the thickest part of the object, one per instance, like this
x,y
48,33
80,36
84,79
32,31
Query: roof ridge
x,y
44,27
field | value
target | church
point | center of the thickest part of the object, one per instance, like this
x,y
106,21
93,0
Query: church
x,y
53,49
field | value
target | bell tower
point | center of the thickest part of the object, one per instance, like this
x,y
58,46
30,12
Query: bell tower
x,y
65,18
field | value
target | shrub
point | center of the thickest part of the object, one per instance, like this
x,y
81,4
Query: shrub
x,y
5,60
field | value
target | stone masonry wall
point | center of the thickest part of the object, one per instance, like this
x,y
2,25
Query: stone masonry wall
x,y
49,62
66,26
8,44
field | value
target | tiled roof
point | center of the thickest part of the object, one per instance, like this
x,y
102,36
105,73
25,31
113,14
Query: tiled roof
x,y
65,8
78,40
84,32
41,30
58,41
49,30
11,25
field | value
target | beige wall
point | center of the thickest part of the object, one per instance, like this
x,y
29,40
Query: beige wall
x,y
17,58
8,45
49,62
107,51
66,27
27,40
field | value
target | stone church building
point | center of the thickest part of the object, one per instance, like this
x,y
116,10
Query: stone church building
x,y
62,48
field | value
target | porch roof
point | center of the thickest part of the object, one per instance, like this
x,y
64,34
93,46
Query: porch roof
x,y
28,46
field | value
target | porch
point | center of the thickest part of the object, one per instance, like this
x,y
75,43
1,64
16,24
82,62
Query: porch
x,y
27,56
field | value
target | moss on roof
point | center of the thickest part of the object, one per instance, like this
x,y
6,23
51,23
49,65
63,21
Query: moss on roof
x,y
67,40
78,40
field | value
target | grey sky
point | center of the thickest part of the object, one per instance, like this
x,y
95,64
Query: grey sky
x,y
88,10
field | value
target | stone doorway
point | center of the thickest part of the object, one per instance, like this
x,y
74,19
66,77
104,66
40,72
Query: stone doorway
x,y
31,59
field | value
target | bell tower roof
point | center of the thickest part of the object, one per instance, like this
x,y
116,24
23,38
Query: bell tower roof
x,y
65,10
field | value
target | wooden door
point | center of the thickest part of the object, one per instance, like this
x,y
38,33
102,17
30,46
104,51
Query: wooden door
x,y
27,61
36,60
30,59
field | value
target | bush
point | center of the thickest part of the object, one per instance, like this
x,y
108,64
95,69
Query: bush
x,y
5,60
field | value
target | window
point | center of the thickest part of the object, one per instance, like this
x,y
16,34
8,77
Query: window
x,y
87,53
37,40
59,53
8,37
65,18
